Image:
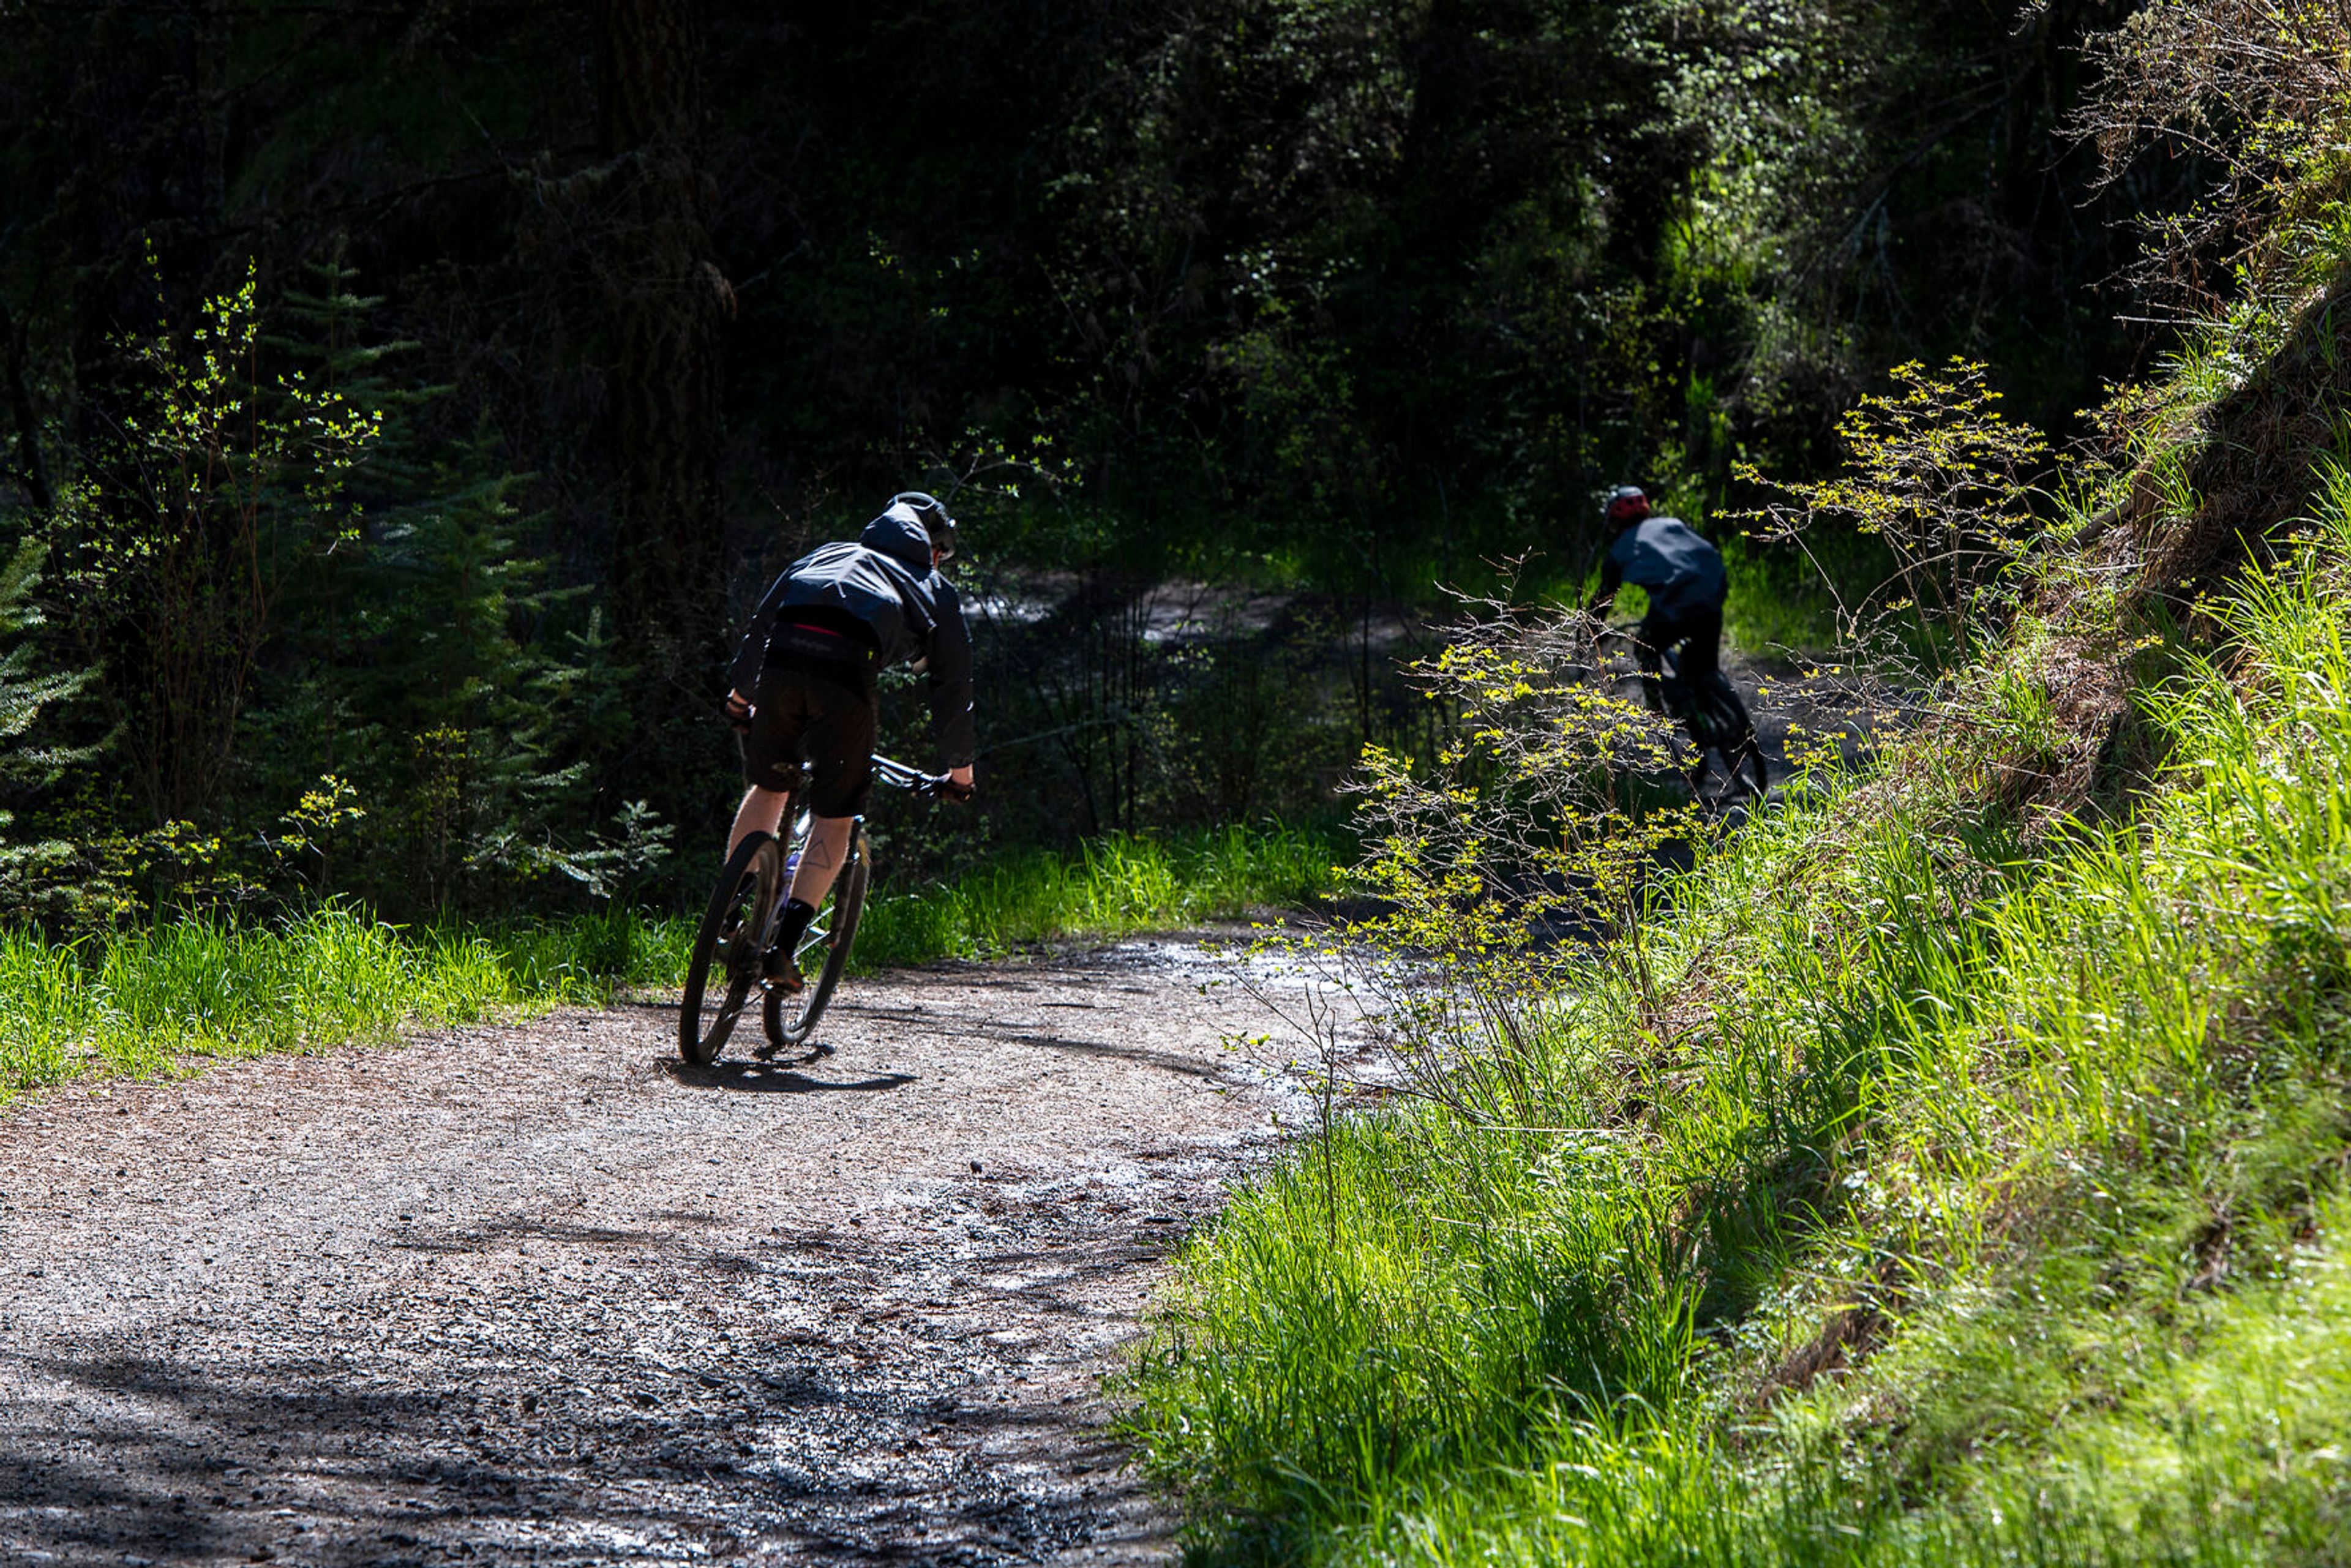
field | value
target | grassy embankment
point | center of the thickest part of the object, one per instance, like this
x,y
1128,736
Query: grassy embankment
x,y
143,1001
1959,1179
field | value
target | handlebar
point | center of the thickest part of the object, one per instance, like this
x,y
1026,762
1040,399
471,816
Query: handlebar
x,y
898,776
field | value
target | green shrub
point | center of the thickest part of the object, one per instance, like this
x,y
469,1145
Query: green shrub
x,y
1941,1186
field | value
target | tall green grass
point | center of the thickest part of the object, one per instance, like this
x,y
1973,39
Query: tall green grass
x,y
1111,886
1978,1200
141,1001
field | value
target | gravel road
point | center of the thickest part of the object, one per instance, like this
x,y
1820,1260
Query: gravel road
x,y
543,1294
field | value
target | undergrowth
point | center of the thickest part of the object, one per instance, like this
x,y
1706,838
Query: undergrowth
x,y
1949,1181
1112,886
141,1002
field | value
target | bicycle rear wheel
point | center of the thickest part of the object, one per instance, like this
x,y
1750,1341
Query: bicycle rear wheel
x,y
1734,736
791,1019
727,946
1750,757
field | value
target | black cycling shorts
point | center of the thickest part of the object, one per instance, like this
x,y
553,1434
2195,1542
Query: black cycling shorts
x,y
816,716
1697,632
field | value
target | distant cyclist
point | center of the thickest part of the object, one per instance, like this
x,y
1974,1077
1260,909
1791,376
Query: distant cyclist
x,y
835,617
1687,584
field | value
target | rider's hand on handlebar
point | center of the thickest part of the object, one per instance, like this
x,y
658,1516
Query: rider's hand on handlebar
x,y
957,785
738,713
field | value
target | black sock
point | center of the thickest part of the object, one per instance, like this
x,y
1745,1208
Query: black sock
x,y
794,926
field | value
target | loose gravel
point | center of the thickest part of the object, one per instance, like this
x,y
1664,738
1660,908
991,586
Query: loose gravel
x,y
544,1294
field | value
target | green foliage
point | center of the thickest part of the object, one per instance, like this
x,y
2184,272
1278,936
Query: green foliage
x,y
1928,1191
1787,598
1540,817
170,548
141,1002
2257,87
1936,473
1113,886
1348,297
22,693
422,663
27,868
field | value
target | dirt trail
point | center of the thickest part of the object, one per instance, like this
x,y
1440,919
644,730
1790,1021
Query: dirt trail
x,y
541,1294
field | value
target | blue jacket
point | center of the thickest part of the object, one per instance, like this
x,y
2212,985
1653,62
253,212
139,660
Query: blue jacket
x,y
1666,556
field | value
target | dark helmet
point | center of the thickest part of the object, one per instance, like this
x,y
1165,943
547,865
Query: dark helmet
x,y
936,521
1626,504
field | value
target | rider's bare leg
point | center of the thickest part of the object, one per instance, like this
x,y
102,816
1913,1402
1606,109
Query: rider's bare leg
x,y
820,858
762,812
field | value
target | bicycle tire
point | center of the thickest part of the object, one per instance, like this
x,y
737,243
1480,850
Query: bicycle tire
x,y
790,1021
1735,738
747,892
1752,755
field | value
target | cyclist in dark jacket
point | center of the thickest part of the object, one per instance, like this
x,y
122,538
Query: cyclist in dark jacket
x,y
1687,586
835,617
1686,582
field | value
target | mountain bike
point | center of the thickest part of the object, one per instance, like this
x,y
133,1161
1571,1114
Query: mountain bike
x,y
734,948
1718,722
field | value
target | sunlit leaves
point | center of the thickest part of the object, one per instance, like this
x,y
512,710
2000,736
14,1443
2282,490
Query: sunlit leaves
x,y
1937,472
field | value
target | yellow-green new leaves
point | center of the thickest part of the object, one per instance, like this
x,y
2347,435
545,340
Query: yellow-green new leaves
x,y
174,539
1935,470
1531,825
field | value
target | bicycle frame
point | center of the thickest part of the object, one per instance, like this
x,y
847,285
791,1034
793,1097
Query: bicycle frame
x,y
790,1017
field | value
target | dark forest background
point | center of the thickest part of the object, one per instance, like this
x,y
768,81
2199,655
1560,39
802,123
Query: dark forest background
x,y
403,402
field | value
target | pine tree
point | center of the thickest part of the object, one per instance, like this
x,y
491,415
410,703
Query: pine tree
x,y
26,765
425,656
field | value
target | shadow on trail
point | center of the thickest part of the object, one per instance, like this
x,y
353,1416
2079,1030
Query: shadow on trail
x,y
768,1078
312,1458
1166,1062
482,1238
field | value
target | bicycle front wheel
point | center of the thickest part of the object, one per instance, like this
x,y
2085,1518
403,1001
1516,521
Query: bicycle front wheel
x,y
726,948
791,1019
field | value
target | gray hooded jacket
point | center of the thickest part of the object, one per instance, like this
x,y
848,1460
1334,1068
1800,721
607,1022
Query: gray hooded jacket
x,y
880,602
1666,556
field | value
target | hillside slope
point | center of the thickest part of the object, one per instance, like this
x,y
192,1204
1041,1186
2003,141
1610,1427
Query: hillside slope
x,y
1952,1172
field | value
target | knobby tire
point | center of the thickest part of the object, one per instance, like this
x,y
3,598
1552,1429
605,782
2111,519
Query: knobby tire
x,y
1741,747
729,943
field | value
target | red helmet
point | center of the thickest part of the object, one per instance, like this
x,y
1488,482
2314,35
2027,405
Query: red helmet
x,y
1626,504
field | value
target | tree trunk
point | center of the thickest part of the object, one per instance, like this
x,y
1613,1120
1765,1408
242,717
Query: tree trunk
x,y
32,468
663,296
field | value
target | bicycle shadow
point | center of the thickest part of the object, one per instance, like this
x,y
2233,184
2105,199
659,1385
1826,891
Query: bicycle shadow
x,y
774,1078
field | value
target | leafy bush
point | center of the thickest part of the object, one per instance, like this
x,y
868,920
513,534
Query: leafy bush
x,y
1939,475
174,541
1941,1194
